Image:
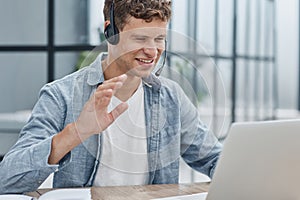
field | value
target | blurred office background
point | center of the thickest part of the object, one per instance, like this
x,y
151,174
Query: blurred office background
x,y
237,59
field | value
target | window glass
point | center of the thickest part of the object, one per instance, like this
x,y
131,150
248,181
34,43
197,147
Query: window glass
x,y
23,22
22,76
66,63
71,25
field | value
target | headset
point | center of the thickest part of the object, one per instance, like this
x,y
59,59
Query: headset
x,y
111,33
157,73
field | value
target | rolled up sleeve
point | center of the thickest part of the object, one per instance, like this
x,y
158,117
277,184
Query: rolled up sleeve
x,y
25,166
200,148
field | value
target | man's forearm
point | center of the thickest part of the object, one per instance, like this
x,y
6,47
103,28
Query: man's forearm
x,y
64,142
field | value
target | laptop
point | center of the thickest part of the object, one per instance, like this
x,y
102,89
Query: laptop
x,y
259,161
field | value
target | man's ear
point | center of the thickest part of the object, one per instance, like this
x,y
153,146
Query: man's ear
x,y
106,23
111,32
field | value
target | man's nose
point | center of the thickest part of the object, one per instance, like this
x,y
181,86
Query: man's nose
x,y
151,51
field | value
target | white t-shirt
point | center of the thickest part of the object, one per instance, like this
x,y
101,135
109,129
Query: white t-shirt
x,y
124,158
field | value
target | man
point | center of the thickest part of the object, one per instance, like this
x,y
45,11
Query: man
x,y
114,122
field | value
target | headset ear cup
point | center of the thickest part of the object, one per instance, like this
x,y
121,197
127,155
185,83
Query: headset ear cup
x,y
111,34
106,31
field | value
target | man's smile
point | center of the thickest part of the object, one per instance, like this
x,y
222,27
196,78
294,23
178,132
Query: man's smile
x,y
145,61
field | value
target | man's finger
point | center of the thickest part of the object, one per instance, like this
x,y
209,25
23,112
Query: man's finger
x,y
113,86
102,98
120,78
121,108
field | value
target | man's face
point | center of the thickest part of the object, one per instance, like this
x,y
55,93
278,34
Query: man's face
x,y
140,47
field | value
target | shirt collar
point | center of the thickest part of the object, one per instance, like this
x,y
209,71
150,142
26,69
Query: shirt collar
x,y
152,81
95,74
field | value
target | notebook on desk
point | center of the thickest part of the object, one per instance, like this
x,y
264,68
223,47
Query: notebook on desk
x,y
260,160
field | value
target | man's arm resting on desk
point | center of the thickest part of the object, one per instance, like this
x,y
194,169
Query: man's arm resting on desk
x,y
200,148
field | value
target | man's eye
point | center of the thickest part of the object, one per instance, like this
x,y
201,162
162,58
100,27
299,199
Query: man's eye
x,y
140,39
160,39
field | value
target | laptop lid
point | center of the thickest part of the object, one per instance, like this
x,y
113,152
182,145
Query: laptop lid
x,y
261,161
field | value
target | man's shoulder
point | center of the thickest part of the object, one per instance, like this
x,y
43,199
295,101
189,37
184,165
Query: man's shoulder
x,y
68,84
77,77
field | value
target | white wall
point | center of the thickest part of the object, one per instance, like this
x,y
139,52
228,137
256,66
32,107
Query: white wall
x,y
288,53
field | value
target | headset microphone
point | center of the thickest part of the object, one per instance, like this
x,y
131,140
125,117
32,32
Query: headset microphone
x,y
158,72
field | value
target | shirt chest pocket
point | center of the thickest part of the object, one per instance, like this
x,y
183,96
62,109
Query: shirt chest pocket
x,y
170,135
169,148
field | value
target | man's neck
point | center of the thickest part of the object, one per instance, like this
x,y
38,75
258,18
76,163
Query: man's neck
x,y
130,85
129,88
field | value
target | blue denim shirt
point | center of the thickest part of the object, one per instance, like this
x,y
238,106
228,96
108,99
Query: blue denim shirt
x,y
173,128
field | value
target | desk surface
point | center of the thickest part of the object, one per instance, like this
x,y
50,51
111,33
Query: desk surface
x,y
140,192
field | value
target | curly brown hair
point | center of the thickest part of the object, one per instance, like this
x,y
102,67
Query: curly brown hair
x,y
141,9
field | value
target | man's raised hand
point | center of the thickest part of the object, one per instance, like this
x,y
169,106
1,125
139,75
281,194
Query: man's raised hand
x,y
94,117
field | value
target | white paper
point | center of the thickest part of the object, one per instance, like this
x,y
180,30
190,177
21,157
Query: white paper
x,y
14,197
58,194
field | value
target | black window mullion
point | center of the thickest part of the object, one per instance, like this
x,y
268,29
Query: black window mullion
x,y
50,46
234,58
